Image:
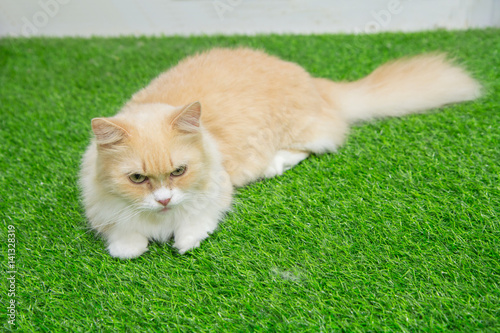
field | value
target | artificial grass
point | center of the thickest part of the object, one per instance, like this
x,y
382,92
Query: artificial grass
x,y
398,232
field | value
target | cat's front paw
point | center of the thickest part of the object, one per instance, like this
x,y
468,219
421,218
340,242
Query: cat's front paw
x,y
187,243
129,247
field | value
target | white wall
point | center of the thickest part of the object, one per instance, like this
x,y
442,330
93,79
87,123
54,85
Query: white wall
x,y
187,17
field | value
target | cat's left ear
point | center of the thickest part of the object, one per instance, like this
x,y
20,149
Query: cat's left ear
x,y
188,119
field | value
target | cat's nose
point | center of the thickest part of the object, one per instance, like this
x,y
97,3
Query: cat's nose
x,y
164,202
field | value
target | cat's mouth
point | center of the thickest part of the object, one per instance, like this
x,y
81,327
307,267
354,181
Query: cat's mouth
x,y
164,209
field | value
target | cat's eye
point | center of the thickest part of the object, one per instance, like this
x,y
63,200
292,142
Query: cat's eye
x,y
138,178
179,171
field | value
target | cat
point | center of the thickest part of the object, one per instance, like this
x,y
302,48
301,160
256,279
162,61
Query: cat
x,y
165,166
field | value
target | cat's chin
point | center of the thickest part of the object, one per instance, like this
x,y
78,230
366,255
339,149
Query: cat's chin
x,y
164,210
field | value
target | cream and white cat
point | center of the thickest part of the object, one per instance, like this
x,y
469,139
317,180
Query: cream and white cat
x,y
166,164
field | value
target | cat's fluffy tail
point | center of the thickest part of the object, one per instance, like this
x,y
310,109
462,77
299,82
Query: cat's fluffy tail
x,y
405,86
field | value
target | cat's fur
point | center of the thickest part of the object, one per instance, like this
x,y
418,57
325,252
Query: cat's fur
x,y
232,117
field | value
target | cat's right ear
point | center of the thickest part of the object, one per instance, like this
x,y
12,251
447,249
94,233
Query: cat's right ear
x,y
108,132
188,119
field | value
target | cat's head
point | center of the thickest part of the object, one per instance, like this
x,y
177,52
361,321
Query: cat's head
x,y
152,156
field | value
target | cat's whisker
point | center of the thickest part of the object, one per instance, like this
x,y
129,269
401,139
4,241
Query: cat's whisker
x,y
118,217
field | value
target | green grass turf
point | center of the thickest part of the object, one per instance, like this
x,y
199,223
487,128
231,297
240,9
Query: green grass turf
x,y
397,232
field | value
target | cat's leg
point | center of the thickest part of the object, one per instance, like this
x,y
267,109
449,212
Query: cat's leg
x,y
126,245
283,161
203,213
323,135
189,234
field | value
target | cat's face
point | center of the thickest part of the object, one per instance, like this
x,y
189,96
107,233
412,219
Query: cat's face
x,y
153,158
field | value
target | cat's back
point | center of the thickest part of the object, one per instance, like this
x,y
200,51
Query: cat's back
x,y
223,73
